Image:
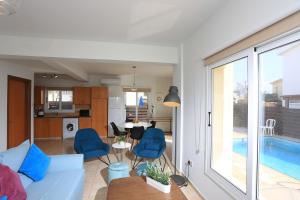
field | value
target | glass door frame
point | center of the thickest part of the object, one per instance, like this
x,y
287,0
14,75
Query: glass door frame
x,y
275,43
252,53
251,162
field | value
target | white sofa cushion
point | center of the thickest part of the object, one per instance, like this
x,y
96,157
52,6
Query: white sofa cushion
x,y
13,158
61,185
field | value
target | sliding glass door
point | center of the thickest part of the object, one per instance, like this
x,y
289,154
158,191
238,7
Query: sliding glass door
x,y
279,121
253,121
229,121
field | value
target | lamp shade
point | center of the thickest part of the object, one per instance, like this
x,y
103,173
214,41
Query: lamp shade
x,y
172,99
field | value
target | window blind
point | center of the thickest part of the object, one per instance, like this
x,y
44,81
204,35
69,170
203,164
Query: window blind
x,y
283,26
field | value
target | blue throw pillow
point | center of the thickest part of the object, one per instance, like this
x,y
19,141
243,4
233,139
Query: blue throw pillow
x,y
35,164
3,197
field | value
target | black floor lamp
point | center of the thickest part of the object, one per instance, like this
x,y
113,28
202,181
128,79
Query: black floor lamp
x,y
172,100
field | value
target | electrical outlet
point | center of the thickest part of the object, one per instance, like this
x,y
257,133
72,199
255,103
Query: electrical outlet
x,y
190,163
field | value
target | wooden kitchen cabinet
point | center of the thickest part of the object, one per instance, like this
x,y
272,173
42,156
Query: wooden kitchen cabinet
x,y
41,128
85,122
48,127
39,95
99,93
55,127
99,116
82,95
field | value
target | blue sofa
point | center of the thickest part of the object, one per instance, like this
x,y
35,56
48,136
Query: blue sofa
x,y
64,179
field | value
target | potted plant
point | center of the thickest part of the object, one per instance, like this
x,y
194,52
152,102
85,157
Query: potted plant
x,y
157,178
121,139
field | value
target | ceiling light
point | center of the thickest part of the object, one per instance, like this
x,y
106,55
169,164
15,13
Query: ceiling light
x,y
44,76
9,7
55,76
133,88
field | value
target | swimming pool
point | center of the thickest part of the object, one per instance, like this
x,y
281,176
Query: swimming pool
x,y
279,154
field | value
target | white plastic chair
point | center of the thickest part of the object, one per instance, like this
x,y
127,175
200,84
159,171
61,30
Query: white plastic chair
x,y
268,129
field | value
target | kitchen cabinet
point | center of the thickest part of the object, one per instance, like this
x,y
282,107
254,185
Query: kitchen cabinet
x,y
85,122
100,110
39,95
48,127
55,127
82,95
99,116
41,128
99,93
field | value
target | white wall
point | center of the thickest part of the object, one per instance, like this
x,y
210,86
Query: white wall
x,y
234,21
6,69
291,71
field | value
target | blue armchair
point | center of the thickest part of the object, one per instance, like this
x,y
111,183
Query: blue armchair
x,y
88,143
151,146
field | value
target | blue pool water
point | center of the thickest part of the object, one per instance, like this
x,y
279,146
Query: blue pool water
x,y
279,154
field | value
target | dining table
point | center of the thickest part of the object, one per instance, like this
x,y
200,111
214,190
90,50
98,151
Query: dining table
x,y
130,125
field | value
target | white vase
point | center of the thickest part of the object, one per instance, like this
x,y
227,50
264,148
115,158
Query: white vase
x,y
158,185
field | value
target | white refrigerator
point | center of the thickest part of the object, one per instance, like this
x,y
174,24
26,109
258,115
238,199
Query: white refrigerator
x,y
116,112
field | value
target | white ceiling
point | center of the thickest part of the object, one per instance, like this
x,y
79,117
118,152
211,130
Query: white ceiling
x,y
112,68
163,22
123,68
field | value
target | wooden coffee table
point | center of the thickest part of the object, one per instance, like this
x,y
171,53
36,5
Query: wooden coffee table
x,y
136,188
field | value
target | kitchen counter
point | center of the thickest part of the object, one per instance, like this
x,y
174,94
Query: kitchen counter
x,y
59,117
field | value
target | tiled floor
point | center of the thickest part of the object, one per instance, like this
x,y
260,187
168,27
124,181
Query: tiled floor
x,y
96,171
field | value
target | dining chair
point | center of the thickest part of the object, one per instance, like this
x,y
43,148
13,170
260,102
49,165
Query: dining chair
x,y
153,124
117,132
136,133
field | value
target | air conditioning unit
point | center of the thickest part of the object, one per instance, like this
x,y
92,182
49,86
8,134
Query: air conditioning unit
x,y
111,81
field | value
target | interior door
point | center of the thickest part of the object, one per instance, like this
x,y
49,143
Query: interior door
x,y
19,103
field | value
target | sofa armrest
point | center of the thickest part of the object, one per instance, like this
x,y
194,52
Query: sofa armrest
x,y
66,162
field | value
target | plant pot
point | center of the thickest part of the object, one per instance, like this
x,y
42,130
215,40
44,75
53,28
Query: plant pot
x,y
161,187
122,143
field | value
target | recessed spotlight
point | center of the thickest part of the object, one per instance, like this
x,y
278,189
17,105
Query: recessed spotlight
x,y
55,76
44,76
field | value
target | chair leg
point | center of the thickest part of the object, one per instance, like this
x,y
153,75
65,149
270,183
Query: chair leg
x,y
134,165
132,145
103,161
134,162
165,162
108,159
159,161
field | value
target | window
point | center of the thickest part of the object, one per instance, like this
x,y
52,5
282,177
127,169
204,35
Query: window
x,y
59,100
136,106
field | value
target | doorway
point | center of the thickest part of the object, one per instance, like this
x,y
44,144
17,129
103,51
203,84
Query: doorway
x,y
18,110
